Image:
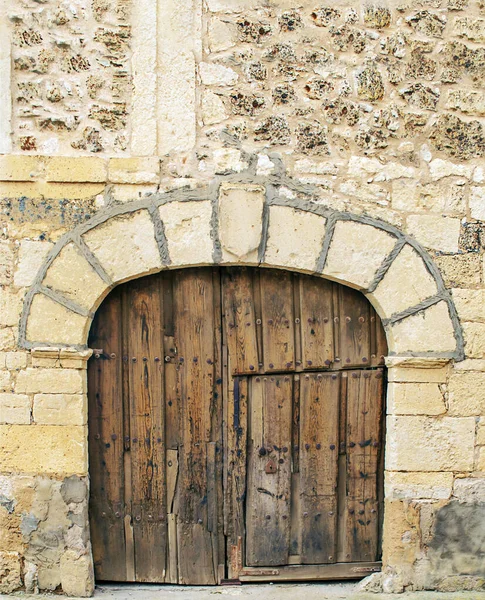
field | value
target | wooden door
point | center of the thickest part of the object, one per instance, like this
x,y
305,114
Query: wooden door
x,y
235,429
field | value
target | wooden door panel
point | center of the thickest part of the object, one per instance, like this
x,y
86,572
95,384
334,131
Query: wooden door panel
x,y
269,471
107,506
147,430
364,437
319,430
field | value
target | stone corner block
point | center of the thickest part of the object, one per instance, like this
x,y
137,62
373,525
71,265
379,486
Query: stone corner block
x,y
295,238
72,276
15,409
60,409
125,245
418,485
10,572
240,221
188,229
356,252
422,443
429,330
77,574
50,381
406,283
51,322
44,449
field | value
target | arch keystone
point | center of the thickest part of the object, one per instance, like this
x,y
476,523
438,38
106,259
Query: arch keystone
x,y
125,245
356,252
241,221
188,227
294,238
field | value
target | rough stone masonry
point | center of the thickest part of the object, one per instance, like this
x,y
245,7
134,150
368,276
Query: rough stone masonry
x,y
345,139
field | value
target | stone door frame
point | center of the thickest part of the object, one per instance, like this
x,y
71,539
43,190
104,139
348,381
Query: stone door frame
x,y
267,222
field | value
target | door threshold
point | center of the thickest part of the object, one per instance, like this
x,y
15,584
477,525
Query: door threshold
x,y
309,572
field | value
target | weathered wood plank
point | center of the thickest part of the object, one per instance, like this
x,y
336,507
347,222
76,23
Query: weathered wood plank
x,y
235,471
355,328
364,419
269,471
319,435
240,320
317,326
277,320
310,572
106,444
147,430
195,560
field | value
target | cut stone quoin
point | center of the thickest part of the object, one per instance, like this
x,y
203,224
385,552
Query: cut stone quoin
x,y
187,228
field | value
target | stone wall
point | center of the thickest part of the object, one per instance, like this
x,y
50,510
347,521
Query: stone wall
x,y
344,139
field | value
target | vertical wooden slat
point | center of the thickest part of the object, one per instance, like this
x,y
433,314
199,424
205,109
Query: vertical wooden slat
x,y
194,339
147,430
240,320
106,443
364,419
235,476
317,324
355,328
277,320
269,471
319,437
170,358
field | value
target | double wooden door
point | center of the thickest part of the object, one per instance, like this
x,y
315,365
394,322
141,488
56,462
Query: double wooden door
x,y
235,429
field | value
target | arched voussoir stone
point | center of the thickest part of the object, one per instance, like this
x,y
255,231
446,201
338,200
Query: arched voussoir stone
x,y
238,223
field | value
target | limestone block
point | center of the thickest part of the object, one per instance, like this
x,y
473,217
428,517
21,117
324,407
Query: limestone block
x,y
16,360
220,36
31,257
5,381
215,74
240,221
6,262
229,159
125,245
470,304
407,283
470,364
481,433
50,381
415,399
474,334
15,408
440,168
51,322
430,443
76,169
43,449
60,409
471,28
188,228
295,238
356,252
418,374
77,574
72,275
413,486
134,170
15,167
231,6
10,572
481,459
477,203
466,101
404,196
213,110
429,330
460,270
10,306
466,394
435,232
8,338
469,490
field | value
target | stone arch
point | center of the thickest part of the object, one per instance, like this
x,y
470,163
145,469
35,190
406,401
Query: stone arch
x,y
269,224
